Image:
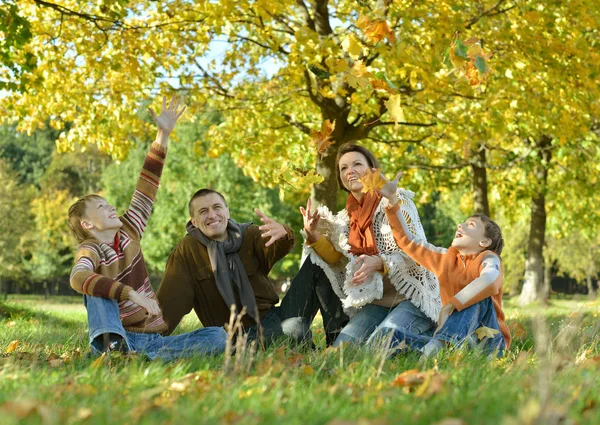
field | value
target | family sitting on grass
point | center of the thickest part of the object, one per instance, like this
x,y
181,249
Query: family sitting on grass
x,y
368,270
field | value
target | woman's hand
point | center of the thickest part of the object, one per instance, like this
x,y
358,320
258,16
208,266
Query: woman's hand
x,y
370,264
389,190
311,221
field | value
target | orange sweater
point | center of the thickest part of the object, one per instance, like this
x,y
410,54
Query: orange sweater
x,y
453,271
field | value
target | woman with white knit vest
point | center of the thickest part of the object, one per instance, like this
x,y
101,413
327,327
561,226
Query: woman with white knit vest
x,y
379,286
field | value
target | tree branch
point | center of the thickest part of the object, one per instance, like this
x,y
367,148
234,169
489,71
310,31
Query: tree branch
x,y
494,10
303,128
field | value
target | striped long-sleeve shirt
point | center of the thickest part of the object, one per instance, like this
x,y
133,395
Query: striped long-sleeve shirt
x,y
112,270
464,280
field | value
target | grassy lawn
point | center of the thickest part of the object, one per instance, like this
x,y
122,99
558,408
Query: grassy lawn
x,y
550,376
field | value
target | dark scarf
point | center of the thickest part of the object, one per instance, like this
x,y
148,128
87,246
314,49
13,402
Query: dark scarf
x,y
227,266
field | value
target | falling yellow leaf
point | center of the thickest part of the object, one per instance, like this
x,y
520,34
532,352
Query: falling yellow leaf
x,y
358,76
322,139
393,105
372,181
353,47
99,360
381,85
485,332
12,346
376,30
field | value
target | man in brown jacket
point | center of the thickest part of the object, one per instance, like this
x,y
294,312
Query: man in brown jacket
x,y
221,264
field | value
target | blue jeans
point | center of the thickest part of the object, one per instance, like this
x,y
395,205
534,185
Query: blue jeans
x,y
103,318
275,325
459,329
373,323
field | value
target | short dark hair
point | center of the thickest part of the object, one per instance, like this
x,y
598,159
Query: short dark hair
x,y
203,192
492,231
353,147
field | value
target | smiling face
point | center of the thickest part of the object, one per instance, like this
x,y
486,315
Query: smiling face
x,y
352,166
470,237
100,216
210,214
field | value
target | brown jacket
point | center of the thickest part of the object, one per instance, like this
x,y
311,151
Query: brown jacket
x,y
189,281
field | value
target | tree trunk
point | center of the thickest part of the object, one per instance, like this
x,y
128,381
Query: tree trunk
x,y
547,288
534,266
592,293
479,183
325,193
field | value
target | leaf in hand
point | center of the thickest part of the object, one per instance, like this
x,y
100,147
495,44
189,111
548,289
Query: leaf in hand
x,y
394,107
372,181
485,332
322,139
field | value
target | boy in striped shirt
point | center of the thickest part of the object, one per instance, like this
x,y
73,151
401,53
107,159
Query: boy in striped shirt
x,y
111,273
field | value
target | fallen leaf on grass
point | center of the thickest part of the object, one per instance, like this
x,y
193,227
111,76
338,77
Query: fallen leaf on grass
x,y
83,413
372,181
23,409
517,330
485,332
308,370
98,361
12,346
451,421
423,384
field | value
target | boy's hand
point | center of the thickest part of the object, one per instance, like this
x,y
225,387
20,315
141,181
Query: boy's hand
x,y
168,116
150,305
311,221
370,264
273,229
389,190
445,312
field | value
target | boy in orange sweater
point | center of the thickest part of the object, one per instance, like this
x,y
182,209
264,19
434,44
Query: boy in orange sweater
x,y
470,276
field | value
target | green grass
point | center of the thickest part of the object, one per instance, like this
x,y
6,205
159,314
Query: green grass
x,y
549,376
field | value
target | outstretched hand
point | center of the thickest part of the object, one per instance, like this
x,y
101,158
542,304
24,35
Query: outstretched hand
x,y
169,115
311,221
369,264
389,189
271,228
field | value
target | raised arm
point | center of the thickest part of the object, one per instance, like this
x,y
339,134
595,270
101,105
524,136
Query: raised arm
x,y
421,251
145,191
321,245
275,242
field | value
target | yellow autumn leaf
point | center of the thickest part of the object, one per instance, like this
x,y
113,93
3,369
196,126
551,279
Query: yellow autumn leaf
x,y
394,107
376,30
321,140
99,360
353,47
485,332
359,75
372,181
308,370
12,346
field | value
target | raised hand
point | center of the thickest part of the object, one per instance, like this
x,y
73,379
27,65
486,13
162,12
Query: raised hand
x,y
271,228
370,264
389,189
169,115
311,221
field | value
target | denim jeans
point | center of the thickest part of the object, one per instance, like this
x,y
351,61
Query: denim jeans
x,y
103,318
275,326
373,323
459,329
309,293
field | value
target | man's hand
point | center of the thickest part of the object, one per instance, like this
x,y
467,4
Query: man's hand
x,y
150,305
311,221
370,264
390,188
168,116
271,228
445,312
